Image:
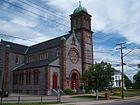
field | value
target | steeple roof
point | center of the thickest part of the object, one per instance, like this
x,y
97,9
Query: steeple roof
x,y
80,9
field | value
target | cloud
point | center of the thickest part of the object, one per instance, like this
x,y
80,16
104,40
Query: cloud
x,y
24,22
109,17
17,30
113,57
117,16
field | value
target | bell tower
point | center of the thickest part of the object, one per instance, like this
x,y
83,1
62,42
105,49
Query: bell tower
x,y
81,23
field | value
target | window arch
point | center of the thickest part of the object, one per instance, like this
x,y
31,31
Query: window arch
x,y
55,81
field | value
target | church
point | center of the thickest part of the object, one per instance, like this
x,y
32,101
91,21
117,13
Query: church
x,y
59,62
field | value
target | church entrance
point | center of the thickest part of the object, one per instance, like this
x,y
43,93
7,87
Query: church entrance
x,y
55,81
74,80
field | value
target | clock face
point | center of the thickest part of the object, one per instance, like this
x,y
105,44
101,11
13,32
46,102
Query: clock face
x,y
74,56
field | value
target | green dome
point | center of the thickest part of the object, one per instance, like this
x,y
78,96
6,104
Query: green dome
x,y
80,9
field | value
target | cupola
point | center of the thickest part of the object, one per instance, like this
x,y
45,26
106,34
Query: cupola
x,y
80,9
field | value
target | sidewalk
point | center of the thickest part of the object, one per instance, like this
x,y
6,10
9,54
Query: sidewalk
x,y
91,102
95,102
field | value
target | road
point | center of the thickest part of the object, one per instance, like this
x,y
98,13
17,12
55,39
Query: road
x,y
125,102
107,102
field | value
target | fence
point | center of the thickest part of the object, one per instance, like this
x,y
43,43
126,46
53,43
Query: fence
x,y
30,99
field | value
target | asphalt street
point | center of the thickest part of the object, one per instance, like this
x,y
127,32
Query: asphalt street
x,y
125,102
108,102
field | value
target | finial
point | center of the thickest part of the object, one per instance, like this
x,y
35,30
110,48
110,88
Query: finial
x,y
79,3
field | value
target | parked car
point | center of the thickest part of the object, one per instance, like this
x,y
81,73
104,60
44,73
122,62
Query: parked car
x,y
4,93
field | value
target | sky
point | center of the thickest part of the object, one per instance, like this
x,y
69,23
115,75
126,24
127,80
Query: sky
x,y
113,22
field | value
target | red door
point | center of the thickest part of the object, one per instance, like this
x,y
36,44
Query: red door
x,y
55,81
74,81
73,84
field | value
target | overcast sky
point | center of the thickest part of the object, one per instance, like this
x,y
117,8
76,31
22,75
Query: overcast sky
x,y
113,22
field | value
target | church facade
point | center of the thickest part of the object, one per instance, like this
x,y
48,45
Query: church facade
x,y
59,62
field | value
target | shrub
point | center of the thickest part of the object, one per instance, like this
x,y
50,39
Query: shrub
x,y
88,90
68,91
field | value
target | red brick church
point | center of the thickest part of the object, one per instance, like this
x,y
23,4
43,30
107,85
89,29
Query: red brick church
x,y
61,61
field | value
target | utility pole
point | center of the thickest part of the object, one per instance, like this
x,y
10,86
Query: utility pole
x,y
122,63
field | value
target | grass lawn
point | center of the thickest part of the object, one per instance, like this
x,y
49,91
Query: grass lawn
x,y
128,93
100,97
89,97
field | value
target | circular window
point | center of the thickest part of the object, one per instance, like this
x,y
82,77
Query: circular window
x,y
74,56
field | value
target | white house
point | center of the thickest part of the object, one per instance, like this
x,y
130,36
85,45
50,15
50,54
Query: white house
x,y
117,82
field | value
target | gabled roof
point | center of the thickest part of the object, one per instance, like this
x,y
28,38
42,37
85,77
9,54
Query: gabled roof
x,y
21,49
15,48
47,44
117,72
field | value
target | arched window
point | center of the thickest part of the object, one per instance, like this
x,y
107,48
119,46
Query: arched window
x,y
74,79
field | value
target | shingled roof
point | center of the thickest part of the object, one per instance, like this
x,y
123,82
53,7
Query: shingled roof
x,y
21,49
15,48
47,44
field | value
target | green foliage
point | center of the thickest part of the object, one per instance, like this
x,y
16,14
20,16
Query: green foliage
x,y
88,90
113,90
68,91
138,65
117,93
128,82
136,79
99,75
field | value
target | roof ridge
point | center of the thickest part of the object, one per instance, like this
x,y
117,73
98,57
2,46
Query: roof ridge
x,y
50,40
13,43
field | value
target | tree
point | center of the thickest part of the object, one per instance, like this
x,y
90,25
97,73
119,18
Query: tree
x,y
99,75
138,65
136,79
128,82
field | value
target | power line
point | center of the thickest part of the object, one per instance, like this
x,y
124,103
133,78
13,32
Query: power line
x,y
16,37
103,37
38,42
24,9
43,9
48,11
130,51
33,13
30,16
133,68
